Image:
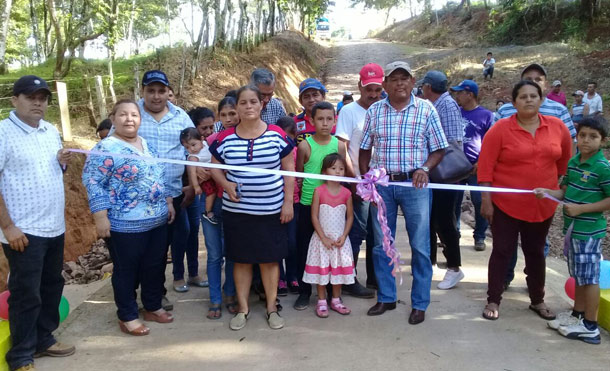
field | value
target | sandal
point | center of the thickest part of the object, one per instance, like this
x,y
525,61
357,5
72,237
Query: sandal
x,y
493,308
322,309
543,311
214,312
232,307
338,307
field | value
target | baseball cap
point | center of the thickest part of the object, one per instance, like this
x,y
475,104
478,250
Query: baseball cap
x,y
534,66
436,79
155,76
371,74
29,84
391,67
311,83
467,85
578,92
556,83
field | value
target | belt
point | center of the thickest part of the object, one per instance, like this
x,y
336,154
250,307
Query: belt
x,y
400,177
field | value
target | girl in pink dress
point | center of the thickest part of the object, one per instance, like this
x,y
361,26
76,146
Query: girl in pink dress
x,y
329,258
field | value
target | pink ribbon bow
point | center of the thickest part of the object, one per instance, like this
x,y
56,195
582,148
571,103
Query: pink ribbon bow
x,y
368,192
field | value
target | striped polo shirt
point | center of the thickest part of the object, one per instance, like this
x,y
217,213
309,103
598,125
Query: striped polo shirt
x,y
261,194
587,182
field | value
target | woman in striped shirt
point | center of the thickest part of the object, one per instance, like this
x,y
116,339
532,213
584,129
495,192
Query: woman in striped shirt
x,y
256,207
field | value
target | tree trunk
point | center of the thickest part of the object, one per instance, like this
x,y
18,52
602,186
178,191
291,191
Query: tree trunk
x,y
35,33
169,24
197,46
4,20
132,16
271,20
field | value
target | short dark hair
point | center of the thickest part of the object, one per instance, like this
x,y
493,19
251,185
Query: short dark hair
x,y
198,114
490,53
226,101
596,123
287,124
322,106
347,97
523,83
592,83
232,94
249,87
188,134
105,124
330,160
500,101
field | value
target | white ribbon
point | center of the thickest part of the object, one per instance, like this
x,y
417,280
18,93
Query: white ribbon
x,y
452,187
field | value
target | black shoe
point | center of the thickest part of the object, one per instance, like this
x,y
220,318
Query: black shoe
x,y
166,304
282,289
372,286
359,291
302,302
417,316
293,287
380,308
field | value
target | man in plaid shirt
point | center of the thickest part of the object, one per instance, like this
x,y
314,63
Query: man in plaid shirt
x,y
273,109
442,219
408,139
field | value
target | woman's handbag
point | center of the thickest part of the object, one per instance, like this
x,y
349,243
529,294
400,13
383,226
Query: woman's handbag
x,y
454,166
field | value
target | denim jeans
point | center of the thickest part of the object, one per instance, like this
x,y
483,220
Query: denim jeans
x,y
137,258
481,223
185,240
290,273
214,245
35,285
415,205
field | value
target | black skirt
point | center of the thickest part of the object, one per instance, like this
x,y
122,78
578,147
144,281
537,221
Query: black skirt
x,y
254,239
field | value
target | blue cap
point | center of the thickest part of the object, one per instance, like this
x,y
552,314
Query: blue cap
x,y
311,83
436,79
30,84
467,85
154,76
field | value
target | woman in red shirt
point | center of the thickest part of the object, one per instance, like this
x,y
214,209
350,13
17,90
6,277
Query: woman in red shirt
x,y
524,151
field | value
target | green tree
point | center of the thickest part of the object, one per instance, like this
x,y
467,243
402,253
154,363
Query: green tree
x,y
385,5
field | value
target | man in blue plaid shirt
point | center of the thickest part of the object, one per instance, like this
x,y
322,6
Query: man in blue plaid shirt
x,y
408,139
273,109
442,219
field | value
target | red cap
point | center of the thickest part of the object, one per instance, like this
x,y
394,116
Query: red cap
x,y
371,74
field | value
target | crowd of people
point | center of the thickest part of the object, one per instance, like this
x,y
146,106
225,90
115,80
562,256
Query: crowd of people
x,y
280,234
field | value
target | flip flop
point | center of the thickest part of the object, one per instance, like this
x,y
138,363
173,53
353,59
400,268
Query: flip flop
x,y
544,312
232,307
494,308
214,312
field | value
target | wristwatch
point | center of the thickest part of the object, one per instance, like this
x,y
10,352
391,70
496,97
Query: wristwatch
x,y
425,169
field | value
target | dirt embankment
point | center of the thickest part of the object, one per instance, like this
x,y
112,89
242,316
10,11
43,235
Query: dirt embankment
x,y
289,55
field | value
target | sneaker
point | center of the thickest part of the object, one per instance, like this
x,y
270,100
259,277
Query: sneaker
x,y
563,319
166,304
282,288
479,245
238,321
57,350
451,279
275,321
358,291
180,286
580,332
198,281
322,309
212,219
293,287
302,302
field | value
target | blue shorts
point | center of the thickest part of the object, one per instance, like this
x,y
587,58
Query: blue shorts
x,y
583,260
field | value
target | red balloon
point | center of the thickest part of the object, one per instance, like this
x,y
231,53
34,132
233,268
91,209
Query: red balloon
x,y
570,287
4,304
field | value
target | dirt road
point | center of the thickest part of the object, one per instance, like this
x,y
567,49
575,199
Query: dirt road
x,y
453,337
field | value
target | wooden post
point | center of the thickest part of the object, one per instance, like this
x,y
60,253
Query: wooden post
x,y
101,96
90,109
62,98
136,85
182,72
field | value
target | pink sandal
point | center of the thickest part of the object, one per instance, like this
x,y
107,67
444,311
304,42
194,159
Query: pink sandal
x,y
322,309
338,307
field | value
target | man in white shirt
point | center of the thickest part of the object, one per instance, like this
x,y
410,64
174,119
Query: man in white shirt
x,y
32,223
349,130
593,99
488,66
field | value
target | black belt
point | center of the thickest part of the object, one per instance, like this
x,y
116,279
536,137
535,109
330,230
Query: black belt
x,y
400,177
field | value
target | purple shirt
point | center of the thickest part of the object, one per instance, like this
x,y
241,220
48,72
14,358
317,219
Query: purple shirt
x,y
559,98
476,123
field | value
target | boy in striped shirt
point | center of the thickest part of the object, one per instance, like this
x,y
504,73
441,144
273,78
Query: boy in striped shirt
x,y
586,193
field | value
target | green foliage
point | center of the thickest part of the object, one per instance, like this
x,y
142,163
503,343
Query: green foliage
x,y
573,29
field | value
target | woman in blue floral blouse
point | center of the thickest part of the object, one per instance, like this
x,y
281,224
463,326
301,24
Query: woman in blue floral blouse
x,y
128,199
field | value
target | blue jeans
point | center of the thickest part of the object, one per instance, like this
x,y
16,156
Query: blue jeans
x,y
415,205
290,273
481,223
214,244
185,240
137,258
35,285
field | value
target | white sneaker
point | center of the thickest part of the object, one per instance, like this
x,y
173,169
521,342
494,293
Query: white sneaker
x,y
563,319
580,332
451,279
